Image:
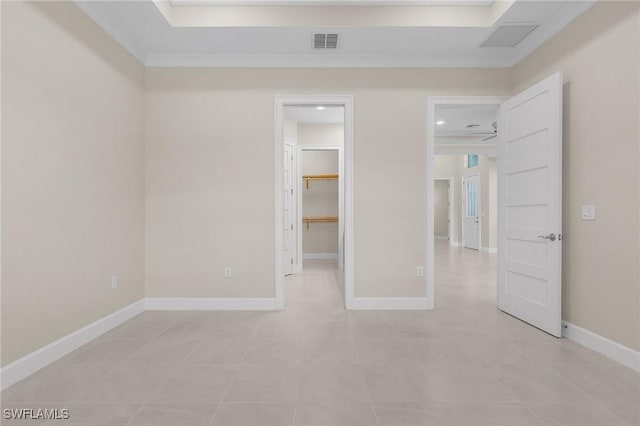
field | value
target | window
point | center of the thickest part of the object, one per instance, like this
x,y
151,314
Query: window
x,y
471,160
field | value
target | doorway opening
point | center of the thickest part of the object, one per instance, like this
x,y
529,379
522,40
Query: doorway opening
x,y
443,190
462,158
314,201
528,130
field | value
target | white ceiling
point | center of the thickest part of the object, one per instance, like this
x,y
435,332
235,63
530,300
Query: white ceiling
x,y
159,33
456,117
309,114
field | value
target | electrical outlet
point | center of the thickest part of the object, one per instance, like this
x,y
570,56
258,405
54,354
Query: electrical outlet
x,y
227,271
114,283
420,271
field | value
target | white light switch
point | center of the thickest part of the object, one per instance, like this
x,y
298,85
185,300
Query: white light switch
x,y
589,212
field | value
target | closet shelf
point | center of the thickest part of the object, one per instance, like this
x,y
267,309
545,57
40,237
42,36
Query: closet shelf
x,y
319,219
307,178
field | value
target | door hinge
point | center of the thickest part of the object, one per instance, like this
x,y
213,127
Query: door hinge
x,y
292,226
292,158
291,191
292,261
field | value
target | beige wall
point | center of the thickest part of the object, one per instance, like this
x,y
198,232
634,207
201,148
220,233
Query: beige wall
x,y
321,134
72,175
209,175
320,199
447,166
598,55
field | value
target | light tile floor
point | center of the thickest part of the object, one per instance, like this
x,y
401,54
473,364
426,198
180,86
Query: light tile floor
x,y
314,363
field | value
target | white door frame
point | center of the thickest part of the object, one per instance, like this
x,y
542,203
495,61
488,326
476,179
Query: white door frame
x,y
432,101
339,100
463,208
451,200
300,190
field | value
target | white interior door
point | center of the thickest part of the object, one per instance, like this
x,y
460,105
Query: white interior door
x,y
289,210
471,212
530,205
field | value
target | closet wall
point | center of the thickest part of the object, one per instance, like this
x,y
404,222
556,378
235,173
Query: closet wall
x,y
320,201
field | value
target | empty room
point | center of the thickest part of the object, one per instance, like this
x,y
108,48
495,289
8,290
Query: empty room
x,y
305,212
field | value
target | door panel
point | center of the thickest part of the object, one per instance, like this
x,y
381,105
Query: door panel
x,y
471,212
530,205
289,209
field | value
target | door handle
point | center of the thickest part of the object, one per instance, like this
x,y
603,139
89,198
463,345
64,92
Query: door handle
x,y
551,237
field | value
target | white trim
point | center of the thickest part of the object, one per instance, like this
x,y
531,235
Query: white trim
x,y
347,102
423,3
294,211
279,201
40,358
390,303
432,101
489,249
299,195
442,149
327,256
186,60
617,352
209,304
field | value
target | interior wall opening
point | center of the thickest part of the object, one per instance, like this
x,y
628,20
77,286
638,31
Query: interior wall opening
x,y
464,204
316,276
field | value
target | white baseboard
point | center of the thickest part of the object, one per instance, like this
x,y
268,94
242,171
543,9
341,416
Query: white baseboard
x,y
617,352
325,256
489,250
389,303
40,358
209,304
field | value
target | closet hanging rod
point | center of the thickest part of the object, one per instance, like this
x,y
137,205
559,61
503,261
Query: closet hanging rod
x,y
307,178
319,219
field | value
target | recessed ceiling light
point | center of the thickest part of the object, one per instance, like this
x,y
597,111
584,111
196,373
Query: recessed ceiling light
x,y
320,107
440,122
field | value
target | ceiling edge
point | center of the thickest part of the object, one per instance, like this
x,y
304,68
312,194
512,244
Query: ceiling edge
x,y
313,61
92,10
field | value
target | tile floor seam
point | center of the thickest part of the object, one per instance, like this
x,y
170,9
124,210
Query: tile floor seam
x,y
364,379
228,388
593,400
371,400
166,379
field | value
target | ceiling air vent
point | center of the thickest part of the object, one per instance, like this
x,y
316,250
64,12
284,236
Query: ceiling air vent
x,y
325,41
509,35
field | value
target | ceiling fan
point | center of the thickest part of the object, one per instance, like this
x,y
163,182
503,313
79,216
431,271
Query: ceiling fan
x,y
495,132
473,135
